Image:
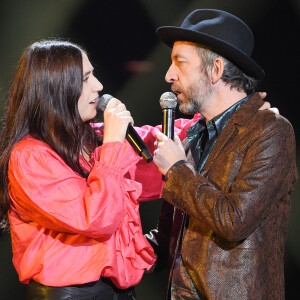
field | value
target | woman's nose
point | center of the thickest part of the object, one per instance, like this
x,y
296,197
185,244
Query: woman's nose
x,y
98,86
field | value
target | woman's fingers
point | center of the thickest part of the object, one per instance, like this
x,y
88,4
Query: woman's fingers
x,y
116,120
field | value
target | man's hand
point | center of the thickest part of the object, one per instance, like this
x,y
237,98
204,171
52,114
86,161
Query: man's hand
x,y
267,105
168,152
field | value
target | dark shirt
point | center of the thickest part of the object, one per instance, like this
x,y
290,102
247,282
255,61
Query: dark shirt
x,y
202,138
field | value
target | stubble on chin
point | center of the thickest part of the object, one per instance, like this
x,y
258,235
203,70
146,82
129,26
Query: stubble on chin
x,y
189,108
192,103
196,100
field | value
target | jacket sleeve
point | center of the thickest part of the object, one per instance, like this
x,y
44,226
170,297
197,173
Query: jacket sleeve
x,y
45,190
147,173
267,174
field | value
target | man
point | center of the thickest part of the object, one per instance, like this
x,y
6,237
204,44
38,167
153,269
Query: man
x,y
227,186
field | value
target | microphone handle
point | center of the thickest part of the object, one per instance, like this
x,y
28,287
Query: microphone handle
x,y
167,122
137,143
168,117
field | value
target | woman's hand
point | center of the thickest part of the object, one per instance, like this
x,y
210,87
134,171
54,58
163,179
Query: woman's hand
x,y
267,105
116,120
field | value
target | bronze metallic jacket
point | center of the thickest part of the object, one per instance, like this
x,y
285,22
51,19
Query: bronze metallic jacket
x,y
238,209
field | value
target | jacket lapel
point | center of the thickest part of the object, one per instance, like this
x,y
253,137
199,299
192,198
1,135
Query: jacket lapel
x,y
239,118
188,152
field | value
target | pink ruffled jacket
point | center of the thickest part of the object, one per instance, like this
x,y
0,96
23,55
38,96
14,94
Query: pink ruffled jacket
x,y
67,230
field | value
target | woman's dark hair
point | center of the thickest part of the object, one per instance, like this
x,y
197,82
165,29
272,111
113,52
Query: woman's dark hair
x,y
42,102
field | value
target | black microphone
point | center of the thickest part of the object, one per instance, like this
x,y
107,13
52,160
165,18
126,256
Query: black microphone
x,y
168,103
131,135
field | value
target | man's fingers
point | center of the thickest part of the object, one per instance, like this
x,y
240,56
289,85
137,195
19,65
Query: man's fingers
x,y
161,137
178,141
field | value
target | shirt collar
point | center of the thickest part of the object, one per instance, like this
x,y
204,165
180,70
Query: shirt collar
x,y
217,123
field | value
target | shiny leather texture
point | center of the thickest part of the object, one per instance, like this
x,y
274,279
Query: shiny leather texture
x,y
238,209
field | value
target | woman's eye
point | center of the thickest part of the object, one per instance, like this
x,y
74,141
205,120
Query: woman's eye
x,y
85,79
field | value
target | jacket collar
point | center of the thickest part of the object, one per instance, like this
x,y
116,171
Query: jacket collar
x,y
239,118
247,110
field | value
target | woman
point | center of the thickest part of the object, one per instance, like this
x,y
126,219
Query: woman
x,y
71,204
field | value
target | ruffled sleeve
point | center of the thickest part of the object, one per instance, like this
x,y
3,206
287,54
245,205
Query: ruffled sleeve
x,y
131,252
104,207
45,190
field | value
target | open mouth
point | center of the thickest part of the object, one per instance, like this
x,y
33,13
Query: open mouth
x,y
96,100
176,91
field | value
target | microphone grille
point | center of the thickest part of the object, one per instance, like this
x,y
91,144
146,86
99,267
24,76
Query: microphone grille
x,y
168,100
103,100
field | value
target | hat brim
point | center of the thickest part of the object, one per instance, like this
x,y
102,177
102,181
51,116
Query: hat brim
x,y
170,34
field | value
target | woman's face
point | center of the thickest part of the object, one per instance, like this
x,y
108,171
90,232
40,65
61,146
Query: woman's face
x,y
90,88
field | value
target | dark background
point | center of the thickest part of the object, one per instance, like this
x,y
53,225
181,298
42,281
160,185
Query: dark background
x,y
131,62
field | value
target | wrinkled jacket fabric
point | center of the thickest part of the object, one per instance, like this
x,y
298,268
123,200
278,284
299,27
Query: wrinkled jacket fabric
x,y
237,208
68,230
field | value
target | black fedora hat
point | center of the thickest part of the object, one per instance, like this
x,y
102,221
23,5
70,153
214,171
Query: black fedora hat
x,y
221,31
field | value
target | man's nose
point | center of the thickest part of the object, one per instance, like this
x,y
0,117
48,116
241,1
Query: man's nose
x,y
171,75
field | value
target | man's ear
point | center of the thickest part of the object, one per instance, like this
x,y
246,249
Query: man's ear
x,y
217,70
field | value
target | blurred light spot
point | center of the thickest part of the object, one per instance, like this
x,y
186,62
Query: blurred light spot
x,y
136,66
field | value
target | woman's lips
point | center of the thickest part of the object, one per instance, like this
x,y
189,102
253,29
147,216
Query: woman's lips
x,y
95,101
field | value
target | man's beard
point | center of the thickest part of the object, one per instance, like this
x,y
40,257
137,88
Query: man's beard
x,y
196,97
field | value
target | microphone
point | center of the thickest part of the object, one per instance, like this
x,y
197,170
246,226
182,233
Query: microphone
x,y
131,135
168,103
